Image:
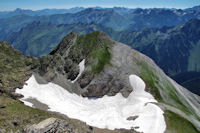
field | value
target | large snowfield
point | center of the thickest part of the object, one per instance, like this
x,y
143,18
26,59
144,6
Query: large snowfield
x,y
106,112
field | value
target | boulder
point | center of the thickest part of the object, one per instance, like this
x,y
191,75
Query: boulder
x,y
51,125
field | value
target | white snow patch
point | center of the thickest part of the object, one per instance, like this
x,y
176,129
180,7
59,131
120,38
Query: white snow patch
x,y
106,112
81,69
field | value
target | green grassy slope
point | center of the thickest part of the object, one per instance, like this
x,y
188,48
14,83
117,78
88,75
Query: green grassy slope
x,y
177,124
16,116
14,68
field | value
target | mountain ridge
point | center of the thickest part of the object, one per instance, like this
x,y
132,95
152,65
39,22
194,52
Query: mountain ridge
x,y
135,20
110,77
141,66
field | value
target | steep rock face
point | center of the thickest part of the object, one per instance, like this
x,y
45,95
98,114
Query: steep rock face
x,y
61,66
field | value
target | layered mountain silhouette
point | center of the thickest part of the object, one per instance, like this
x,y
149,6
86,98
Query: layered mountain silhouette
x,y
112,18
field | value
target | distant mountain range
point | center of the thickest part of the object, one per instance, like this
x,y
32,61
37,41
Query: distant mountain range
x,y
39,38
197,8
115,18
107,18
44,12
47,12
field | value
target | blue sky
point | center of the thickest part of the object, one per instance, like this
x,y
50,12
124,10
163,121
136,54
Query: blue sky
x,y
41,4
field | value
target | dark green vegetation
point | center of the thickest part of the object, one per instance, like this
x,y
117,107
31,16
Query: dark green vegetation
x,y
150,79
103,57
178,124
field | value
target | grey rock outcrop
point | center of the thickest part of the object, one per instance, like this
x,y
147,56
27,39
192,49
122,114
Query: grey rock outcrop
x,y
51,125
55,125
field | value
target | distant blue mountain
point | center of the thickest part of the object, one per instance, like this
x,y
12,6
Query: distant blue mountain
x,y
47,12
116,18
43,12
196,8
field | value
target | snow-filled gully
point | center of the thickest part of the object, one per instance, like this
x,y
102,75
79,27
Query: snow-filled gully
x,y
81,67
109,112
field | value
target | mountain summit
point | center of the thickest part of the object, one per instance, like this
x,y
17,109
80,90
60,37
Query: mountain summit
x,y
111,86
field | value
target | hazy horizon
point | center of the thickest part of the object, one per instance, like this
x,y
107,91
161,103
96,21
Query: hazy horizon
x,y
10,5
90,7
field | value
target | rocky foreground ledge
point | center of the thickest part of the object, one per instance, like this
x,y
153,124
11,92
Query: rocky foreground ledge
x,y
50,125
55,125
